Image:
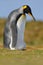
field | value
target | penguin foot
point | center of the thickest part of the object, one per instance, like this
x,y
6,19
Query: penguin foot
x,y
12,49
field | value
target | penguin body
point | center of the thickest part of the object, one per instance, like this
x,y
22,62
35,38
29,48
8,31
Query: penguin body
x,y
14,28
11,33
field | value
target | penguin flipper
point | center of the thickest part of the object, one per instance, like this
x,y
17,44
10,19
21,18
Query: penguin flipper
x,y
6,37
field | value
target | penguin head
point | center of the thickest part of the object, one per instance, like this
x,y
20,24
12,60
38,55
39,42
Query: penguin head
x,y
27,10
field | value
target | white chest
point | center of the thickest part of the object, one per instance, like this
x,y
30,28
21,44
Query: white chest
x,y
21,28
21,23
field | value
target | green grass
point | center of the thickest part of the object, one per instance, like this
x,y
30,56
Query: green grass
x,y
33,55
30,57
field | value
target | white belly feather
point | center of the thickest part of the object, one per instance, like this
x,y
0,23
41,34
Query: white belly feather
x,y
21,28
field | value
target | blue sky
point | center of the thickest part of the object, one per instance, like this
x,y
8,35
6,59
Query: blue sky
x,y
6,6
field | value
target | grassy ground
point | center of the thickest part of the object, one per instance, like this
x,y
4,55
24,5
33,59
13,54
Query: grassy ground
x,y
33,55
27,57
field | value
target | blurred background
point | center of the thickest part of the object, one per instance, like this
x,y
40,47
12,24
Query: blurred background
x,y
6,6
33,35
34,30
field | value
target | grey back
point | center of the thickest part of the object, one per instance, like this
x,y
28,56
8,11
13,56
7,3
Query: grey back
x,y
11,29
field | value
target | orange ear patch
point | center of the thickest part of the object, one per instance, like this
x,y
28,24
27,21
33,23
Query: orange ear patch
x,y
24,7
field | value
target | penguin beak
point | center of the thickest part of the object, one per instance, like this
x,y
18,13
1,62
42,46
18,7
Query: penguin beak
x,y
32,16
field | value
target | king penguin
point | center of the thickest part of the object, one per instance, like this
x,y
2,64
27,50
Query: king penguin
x,y
13,37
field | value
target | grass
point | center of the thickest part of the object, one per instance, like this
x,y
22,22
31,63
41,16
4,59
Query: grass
x,y
34,33
33,55
28,57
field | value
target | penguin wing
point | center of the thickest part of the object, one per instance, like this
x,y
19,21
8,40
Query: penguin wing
x,y
6,37
11,26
